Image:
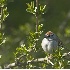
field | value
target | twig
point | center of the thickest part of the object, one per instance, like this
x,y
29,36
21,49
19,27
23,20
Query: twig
x,y
43,59
10,66
37,16
1,19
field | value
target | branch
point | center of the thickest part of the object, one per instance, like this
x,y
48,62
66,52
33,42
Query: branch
x,y
37,16
1,18
10,66
17,63
33,61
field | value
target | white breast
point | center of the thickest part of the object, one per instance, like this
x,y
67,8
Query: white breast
x,y
49,45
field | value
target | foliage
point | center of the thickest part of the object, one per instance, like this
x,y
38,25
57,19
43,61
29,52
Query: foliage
x,y
3,15
28,53
32,9
19,28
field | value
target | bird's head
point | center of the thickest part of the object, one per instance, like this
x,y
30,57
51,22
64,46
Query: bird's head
x,y
49,34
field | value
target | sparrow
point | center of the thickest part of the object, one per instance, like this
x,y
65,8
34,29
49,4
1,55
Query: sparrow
x,y
51,42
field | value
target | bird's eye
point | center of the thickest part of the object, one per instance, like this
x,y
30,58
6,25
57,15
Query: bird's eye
x,y
48,35
52,34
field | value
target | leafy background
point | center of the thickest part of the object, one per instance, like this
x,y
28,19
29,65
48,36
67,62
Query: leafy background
x,y
19,23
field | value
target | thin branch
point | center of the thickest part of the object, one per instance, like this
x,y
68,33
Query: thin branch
x,y
10,66
43,59
1,18
37,16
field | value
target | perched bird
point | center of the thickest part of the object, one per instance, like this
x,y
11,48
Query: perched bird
x,y
50,42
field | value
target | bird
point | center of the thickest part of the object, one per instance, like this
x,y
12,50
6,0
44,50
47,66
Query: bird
x,y
51,42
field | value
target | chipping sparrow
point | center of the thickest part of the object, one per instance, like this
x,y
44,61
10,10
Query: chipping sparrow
x,y
50,42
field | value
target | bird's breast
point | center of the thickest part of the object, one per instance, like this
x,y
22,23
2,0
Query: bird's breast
x,y
48,45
